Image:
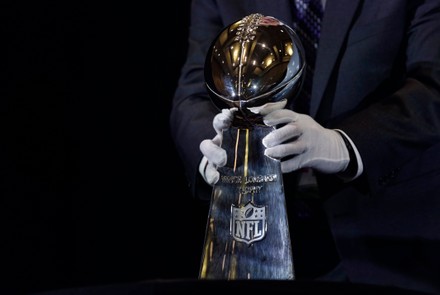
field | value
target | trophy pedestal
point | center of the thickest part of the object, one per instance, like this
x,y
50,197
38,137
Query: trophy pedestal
x,y
247,233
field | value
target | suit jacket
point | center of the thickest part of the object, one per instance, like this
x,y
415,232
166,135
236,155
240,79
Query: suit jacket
x,y
377,77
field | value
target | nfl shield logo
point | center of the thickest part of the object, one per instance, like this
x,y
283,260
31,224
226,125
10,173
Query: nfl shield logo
x,y
248,223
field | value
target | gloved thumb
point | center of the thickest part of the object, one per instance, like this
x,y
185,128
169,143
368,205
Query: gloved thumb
x,y
223,120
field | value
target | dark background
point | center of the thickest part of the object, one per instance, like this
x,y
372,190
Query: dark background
x,y
92,191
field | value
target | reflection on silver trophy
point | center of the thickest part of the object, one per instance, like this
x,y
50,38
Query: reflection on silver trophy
x,y
254,64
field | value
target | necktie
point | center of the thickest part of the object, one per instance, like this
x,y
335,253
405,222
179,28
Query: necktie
x,y
307,24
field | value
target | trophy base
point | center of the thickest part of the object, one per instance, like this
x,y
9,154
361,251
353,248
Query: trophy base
x,y
247,233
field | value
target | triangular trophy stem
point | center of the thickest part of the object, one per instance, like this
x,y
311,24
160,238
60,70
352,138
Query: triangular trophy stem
x,y
247,233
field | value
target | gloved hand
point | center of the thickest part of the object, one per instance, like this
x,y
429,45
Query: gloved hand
x,y
213,155
301,142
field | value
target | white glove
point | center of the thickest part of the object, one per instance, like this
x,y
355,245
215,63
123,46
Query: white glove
x,y
213,155
301,142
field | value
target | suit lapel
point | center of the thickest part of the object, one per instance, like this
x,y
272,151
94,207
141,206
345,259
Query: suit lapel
x,y
338,16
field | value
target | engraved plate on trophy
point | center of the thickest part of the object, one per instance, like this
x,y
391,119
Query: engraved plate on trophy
x,y
254,63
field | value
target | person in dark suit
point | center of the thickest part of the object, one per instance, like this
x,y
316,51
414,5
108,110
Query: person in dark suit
x,y
375,106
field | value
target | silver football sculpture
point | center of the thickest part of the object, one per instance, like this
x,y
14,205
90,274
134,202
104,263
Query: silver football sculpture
x,y
254,61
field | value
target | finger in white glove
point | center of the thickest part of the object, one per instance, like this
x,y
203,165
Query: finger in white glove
x,y
223,120
214,155
213,152
209,173
301,142
268,107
